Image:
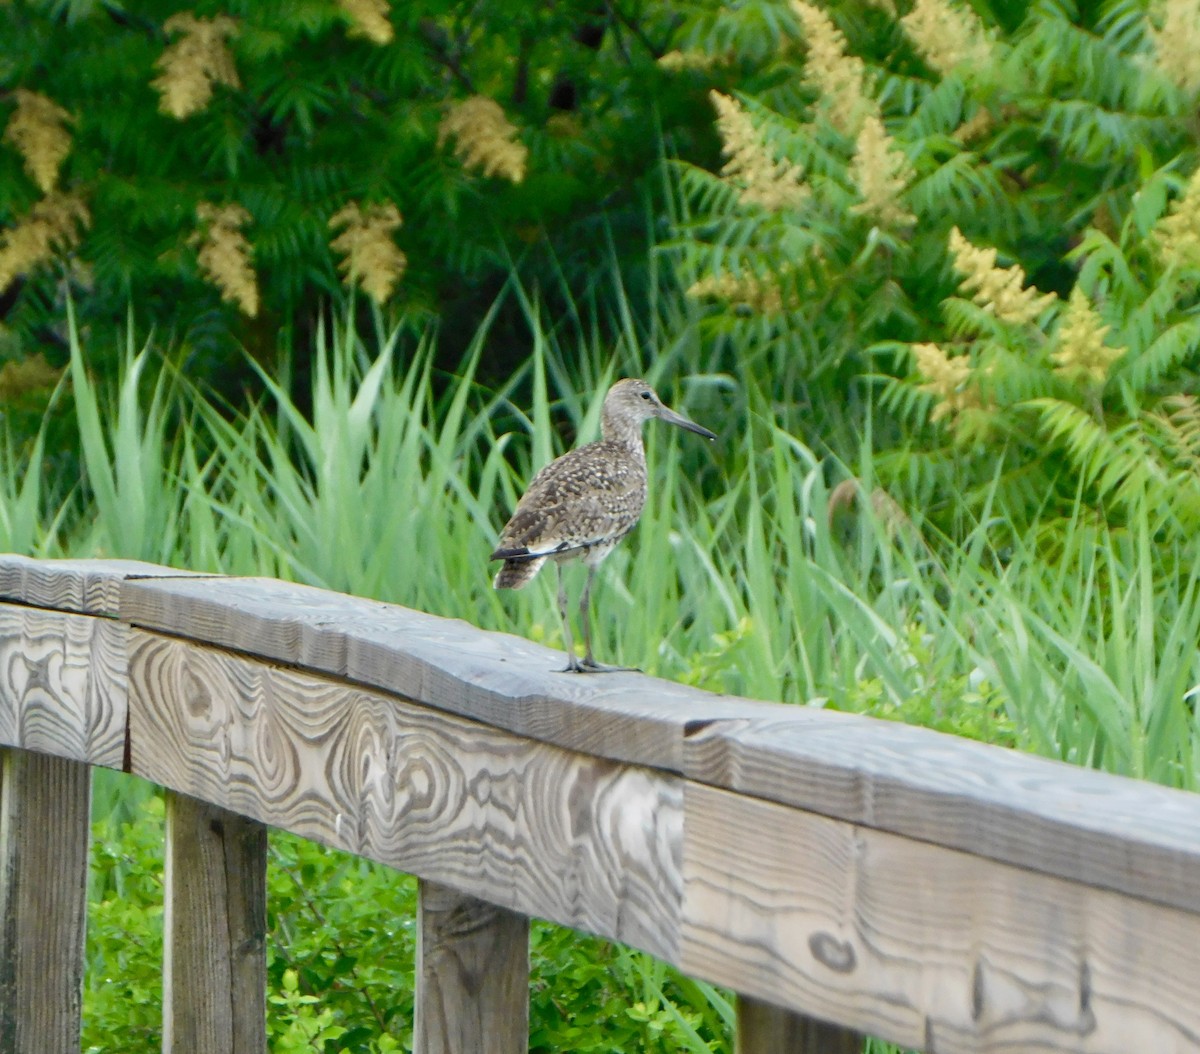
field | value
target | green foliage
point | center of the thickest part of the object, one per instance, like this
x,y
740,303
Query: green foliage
x,y
21,497
307,1027
962,704
127,455
591,996
321,114
1096,655
781,586
340,954
1070,149
340,951
1071,637
1003,550
123,996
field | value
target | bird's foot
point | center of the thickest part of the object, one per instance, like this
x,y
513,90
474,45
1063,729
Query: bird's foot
x,y
590,665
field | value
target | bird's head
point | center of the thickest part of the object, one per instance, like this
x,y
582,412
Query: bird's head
x,y
631,401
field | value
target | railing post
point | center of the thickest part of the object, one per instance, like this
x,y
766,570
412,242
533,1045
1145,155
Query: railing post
x,y
766,1029
472,975
45,814
214,959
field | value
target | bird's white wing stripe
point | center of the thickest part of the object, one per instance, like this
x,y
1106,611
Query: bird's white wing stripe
x,y
550,546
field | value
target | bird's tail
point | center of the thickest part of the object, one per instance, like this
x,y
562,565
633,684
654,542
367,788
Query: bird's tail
x,y
517,573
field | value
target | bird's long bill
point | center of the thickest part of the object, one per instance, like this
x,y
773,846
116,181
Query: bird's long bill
x,y
671,417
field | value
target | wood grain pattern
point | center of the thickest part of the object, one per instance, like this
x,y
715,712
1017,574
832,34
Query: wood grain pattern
x,y
582,841
502,680
45,806
1118,834
62,684
214,931
472,975
91,587
926,946
766,1029
944,894
1105,830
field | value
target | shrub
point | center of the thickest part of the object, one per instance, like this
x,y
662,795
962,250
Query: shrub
x,y
194,160
1034,174
340,953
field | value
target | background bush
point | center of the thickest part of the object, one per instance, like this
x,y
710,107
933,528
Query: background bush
x,y
984,224
287,112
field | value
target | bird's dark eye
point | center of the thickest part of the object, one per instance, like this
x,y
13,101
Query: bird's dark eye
x,y
647,396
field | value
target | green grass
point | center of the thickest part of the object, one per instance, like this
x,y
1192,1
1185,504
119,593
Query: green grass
x,y
1075,640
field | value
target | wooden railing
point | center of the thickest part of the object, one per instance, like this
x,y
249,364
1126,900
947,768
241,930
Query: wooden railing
x,y
844,875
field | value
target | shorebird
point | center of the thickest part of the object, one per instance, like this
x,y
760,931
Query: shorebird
x,y
582,504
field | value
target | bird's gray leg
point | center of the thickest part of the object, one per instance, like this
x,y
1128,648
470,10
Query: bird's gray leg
x,y
573,665
585,617
590,665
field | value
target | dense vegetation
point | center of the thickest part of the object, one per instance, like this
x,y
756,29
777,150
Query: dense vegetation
x,y
228,164
939,291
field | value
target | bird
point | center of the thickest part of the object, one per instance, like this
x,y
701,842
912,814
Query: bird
x,y
583,503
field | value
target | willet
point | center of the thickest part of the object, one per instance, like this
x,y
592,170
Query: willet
x,y
582,504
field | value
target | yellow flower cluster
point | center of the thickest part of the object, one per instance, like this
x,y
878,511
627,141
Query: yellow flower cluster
x,y
485,138
678,61
224,254
978,124
947,35
947,379
838,77
196,62
52,227
773,184
1182,425
1177,234
370,256
1081,351
746,290
1174,31
37,130
1000,290
369,18
31,374
881,173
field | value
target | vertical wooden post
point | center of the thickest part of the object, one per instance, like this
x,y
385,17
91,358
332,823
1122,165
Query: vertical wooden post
x,y
45,816
214,960
472,975
766,1029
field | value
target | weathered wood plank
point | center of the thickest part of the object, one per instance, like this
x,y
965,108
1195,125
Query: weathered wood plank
x,y
582,841
929,947
502,680
472,975
62,684
1105,830
766,1029
45,806
1011,807
90,587
215,921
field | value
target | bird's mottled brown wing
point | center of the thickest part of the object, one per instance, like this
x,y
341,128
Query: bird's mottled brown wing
x,y
588,496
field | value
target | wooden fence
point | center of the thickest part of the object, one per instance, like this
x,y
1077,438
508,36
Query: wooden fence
x,y
843,875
